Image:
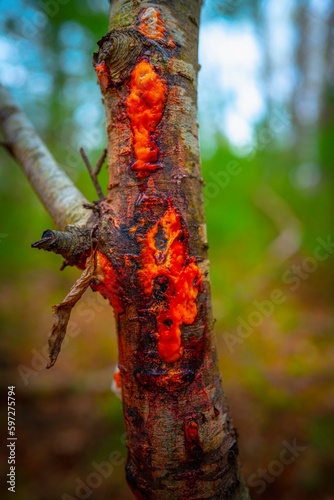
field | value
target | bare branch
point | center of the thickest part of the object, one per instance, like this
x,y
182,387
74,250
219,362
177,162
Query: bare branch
x,y
92,173
100,162
63,201
74,244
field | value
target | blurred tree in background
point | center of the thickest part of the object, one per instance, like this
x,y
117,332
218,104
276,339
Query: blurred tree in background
x,y
266,100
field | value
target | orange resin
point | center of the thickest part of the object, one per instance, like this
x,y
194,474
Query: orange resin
x,y
145,106
151,24
117,379
182,279
191,431
102,74
109,285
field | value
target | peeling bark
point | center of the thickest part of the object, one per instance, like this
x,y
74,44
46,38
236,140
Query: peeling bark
x,y
62,311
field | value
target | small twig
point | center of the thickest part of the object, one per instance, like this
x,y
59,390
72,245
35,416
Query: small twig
x,y
92,232
92,174
100,163
64,264
93,206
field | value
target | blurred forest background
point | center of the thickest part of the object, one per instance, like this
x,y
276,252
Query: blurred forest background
x,y
266,103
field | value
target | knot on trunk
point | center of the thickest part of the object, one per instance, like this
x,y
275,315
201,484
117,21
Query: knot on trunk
x,y
119,51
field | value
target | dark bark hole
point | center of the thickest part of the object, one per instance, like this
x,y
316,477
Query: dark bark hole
x,y
168,322
232,454
160,240
182,236
160,288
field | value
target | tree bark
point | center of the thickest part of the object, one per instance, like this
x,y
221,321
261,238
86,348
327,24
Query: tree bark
x,y
180,438
148,243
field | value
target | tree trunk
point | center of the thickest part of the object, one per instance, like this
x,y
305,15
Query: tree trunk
x,y
179,434
148,240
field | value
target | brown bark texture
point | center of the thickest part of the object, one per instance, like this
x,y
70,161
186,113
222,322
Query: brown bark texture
x,y
146,248
180,439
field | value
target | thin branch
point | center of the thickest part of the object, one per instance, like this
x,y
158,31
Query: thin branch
x,y
92,174
63,201
100,162
74,244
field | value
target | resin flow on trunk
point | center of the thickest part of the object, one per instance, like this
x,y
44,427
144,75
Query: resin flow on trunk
x,y
171,269
178,275
152,260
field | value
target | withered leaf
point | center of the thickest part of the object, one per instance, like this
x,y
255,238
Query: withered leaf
x,y
62,311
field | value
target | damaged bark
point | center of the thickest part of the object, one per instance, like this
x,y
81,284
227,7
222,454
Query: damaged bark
x,y
150,257
180,437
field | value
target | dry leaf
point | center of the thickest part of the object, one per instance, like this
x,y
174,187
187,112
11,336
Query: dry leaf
x,y
62,311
